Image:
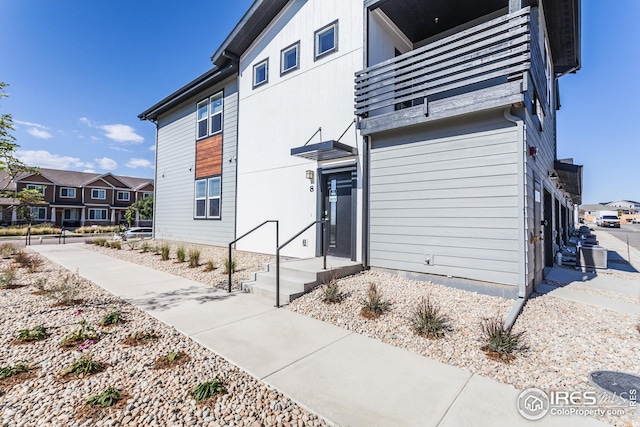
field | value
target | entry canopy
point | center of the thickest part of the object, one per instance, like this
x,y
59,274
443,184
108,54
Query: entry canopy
x,y
570,177
326,150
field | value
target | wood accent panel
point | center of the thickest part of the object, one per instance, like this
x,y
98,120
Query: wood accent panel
x,y
209,157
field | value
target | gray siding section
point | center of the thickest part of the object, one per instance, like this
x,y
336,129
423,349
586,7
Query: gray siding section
x,y
449,191
176,157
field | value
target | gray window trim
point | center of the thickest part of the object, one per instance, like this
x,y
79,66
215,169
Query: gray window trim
x,y
295,45
316,55
264,62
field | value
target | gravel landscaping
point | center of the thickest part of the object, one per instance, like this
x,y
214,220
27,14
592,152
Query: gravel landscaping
x,y
153,390
566,340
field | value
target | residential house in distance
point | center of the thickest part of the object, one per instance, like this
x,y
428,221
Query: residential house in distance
x,y
424,132
74,199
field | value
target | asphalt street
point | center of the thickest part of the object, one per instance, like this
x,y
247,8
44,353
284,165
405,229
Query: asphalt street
x,y
630,231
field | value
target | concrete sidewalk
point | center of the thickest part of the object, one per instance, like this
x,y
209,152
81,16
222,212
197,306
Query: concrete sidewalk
x,y
344,377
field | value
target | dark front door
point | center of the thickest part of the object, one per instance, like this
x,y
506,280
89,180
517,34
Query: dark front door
x,y
337,189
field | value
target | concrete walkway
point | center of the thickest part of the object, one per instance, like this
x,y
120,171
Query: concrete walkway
x,y
344,377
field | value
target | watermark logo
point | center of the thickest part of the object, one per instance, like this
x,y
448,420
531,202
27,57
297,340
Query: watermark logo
x,y
533,404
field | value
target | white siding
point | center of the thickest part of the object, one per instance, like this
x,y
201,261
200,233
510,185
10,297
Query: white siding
x,y
449,190
176,157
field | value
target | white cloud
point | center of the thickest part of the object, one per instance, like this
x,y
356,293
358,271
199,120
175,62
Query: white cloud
x,y
45,159
35,125
139,163
107,163
89,171
86,121
38,133
122,133
152,148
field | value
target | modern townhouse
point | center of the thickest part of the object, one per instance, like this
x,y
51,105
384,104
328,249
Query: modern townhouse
x,y
424,132
74,199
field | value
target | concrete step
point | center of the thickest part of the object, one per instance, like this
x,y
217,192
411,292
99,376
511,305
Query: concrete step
x,y
298,277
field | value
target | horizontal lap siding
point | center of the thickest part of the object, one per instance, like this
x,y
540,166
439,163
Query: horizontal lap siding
x,y
452,195
176,156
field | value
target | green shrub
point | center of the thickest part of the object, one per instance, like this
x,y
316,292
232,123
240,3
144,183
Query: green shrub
x,y
8,250
208,389
8,277
145,247
373,305
18,368
100,242
194,258
38,333
31,262
501,343
84,332
428,321
115,244
331,293
108,397
112,318
180,254
210,266
165,251
229,266
85,365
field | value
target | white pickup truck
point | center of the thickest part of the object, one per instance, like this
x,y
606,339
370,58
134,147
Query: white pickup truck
x,y
607,219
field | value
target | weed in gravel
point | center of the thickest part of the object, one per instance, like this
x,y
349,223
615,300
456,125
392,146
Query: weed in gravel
x,y
115,244
428,321
8,250
66,291
83,333
501,343
38,333
230,266
8,277
208,389
331,293
181,254
194,258
85,365
145,247
109,397
132,244
111,318
210,266
373,305
22,258
141,337
100,242
18,368
41,285
165,251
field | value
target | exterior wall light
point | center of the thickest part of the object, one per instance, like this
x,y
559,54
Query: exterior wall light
x,y
310,175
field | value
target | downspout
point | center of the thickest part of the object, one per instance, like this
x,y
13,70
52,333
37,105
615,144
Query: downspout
x,y
365,200
522,239
155,184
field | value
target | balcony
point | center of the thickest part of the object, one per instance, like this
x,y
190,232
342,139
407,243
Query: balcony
x,y
489,65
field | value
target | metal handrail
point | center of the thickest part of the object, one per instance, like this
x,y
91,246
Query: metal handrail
x,y
245,235
62,236
324,222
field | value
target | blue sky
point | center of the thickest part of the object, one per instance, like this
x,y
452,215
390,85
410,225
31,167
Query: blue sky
x,y
81,71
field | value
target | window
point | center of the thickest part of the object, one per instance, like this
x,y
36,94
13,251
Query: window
x,y
39,214
326,40
201,198
68,193
145,195
207,198
98,194
213,198
123,196
98,214
41,188
71,214
261,73
290,58
210,111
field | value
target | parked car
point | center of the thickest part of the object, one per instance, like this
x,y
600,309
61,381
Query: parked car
x,y
137,232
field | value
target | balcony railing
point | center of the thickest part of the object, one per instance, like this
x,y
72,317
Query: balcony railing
x,y
494,52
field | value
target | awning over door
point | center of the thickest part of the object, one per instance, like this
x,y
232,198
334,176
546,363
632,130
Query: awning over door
x,y
326,150
570,178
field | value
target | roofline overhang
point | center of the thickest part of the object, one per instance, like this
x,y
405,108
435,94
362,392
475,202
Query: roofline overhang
x,y
205,81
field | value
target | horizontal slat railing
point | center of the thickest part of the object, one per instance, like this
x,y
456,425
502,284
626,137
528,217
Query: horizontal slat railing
x,y
497,48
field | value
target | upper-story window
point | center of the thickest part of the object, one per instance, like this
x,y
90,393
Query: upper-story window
x,y
40,188
123,196
210,116
68,193
290,58
326,40
261,73
98,194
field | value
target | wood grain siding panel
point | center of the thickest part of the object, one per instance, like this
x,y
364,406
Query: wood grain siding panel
x,y
209,157
449,191
176,154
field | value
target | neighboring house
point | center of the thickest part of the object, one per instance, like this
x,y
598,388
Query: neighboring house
x,y
627,206
447,166
75,199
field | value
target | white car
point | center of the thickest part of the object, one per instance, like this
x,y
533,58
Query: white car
x,y
137,232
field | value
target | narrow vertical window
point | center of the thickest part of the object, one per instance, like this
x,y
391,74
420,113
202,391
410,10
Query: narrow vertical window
x,y
326,40
261,73
216,113
203,116
213,198
290,58
201,198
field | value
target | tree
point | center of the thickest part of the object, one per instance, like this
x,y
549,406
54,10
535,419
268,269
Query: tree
x,y
144,207
29,200
9,163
